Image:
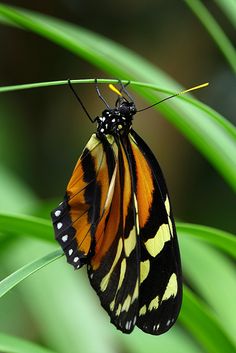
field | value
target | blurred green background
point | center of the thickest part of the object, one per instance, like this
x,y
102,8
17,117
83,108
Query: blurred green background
x,y
43,131
165,32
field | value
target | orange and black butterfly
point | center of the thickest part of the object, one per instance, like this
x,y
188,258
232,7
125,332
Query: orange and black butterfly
x,y
116,218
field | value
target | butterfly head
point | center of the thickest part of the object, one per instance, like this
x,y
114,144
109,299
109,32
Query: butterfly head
x,y
117,121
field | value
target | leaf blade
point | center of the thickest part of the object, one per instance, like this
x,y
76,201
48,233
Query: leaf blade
x,y
42,229
201,322
202,325
214,30
12,344
18,276
211,138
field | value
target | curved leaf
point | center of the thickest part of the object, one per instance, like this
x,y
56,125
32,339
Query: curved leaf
x,y
212,274
195,316
18,276
26,225
12,344
203,107
229,8
220,239
214,30
42,229
207,134
202,323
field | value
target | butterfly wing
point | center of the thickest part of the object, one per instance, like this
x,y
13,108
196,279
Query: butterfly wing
x,y
116,217
114,267
76,218
160,269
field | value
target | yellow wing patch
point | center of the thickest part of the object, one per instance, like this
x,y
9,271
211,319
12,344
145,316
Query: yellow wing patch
x,y
156,244
154,303
105,279
172,287
144,270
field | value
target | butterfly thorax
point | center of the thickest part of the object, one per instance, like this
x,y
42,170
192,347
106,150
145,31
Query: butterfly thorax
x,y
116,121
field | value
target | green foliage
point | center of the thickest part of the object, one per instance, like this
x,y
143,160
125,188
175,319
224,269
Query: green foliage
x,y
214,29
10,344
207,320
207,133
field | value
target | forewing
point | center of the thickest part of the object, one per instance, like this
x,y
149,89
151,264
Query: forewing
x,y
114,267
160,269
75,220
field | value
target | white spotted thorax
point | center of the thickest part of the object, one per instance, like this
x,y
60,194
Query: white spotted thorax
x,y
116,121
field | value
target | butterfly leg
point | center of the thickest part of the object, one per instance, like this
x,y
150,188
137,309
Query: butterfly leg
x,y
80,101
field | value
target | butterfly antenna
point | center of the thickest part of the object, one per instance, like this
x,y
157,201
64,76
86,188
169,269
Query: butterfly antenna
x,y
100,95
175,95
80,101
118,92
123,89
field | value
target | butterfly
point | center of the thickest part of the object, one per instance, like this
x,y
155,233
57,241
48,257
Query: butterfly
x,y
116,218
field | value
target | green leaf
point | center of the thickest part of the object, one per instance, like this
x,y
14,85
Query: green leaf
x,y
214,30
26,225
11,344
199,320
194,315
219,119
42,229
62,304
209,134
218,238
229,8
18,276
203,107
213,276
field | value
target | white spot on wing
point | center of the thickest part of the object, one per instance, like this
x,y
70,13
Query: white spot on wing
x,y
128,325
70,252
64,238
57,213
59,225
156,327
